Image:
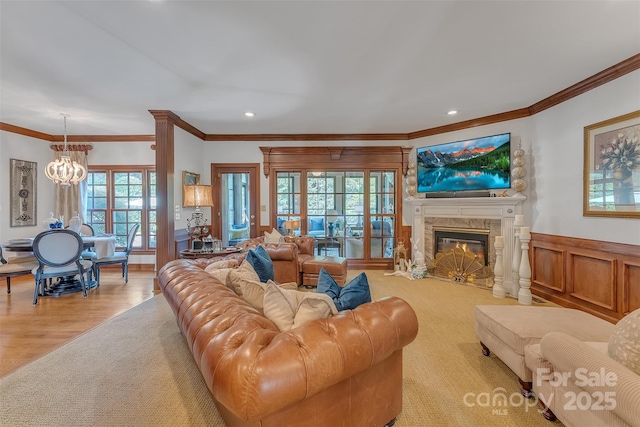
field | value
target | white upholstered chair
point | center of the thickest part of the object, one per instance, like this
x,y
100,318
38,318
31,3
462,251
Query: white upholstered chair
x,y
120,257
58,254
14,269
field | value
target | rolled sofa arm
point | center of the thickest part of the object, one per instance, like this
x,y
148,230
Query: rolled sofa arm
x,y
584,364
255,370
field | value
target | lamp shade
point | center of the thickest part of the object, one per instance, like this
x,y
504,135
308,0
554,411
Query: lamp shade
x,y
332,215
197,195
293,224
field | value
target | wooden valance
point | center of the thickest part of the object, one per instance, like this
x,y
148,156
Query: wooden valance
x,y
319,157
72,147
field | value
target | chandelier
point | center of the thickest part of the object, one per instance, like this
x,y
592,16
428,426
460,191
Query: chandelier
x,y
65,171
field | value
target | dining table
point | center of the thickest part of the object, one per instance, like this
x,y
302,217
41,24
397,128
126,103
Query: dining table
x,y
102,246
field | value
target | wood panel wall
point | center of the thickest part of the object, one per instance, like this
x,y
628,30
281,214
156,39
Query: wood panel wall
x,y
601,278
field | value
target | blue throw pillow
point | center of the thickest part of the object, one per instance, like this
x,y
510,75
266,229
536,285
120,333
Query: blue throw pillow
x,y
261,263
317,224
356,292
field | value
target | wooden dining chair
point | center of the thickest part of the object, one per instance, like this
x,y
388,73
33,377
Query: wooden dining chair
x,y
120,257
58,254
14,269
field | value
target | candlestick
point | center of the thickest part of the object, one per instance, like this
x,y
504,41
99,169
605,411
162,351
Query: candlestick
x,y
519,221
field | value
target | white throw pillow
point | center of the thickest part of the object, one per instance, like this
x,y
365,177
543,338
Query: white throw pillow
x,y
244,273
290,309
624,343
221,274
273,237
225,263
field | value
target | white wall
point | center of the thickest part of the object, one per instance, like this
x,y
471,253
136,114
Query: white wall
x,y
521,133
188,156
558,163
15,146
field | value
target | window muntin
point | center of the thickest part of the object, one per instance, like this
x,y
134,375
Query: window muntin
x,y
117,198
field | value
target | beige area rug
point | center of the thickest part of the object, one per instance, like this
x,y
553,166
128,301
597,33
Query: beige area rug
x,y
136,370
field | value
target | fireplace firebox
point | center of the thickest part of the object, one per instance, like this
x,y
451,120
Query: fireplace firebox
x,y
472,240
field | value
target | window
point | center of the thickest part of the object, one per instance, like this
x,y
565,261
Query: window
x,y
119,197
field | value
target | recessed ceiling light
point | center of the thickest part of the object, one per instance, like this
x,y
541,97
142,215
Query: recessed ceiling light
x,y
249,114
452,112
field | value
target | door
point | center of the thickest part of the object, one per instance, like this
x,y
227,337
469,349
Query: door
x,y
235,192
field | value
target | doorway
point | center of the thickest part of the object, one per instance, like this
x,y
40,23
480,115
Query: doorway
x,y
235,192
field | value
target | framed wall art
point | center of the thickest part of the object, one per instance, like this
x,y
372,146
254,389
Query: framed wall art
x,y
190,178
612,167
23,197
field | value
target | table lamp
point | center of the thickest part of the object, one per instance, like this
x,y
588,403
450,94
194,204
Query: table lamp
x,y
332,217
197,196
292,225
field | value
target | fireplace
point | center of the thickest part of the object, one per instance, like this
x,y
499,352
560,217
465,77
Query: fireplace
x,y
495,214
474,240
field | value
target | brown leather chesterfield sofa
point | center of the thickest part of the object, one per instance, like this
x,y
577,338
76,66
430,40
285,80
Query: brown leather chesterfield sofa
x,y
345,370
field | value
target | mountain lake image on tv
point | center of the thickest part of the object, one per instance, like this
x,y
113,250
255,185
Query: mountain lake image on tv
x,y
471,165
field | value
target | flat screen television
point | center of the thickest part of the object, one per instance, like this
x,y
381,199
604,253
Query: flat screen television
x,y
480,164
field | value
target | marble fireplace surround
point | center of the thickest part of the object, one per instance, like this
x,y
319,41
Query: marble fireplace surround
x,y
495,214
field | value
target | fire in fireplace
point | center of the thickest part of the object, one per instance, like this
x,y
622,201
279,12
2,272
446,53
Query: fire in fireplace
x,y
473,240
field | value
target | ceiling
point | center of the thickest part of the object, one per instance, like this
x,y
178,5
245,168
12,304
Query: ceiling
x,y
302,67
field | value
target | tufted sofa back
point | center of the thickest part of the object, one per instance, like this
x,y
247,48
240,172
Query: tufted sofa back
x,y
259,376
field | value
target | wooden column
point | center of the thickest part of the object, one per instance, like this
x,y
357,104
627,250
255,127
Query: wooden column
x,y
165,226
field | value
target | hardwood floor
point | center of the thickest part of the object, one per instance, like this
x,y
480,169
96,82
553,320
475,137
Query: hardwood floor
x,y
29,331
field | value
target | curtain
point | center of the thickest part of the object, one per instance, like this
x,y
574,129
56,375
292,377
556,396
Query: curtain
x,y
74,198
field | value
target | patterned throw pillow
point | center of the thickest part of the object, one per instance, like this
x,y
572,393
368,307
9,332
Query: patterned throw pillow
x,y
356,292
624,344
261,263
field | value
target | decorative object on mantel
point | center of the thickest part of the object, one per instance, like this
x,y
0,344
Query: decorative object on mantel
x,y
524,294
197,196
23,182
498,270
64,171
517,254
518,172
411,180
612,167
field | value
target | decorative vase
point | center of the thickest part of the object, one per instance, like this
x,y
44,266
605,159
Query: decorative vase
x,y
518,172
75,223
411,180
46,224
623,187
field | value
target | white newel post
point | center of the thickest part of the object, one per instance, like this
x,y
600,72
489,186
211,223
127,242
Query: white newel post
x,y
498,271
517,255
524,294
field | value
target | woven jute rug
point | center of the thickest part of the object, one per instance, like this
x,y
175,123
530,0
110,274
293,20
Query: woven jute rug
x,y
136,370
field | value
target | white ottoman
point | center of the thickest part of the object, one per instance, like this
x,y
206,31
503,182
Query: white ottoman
x,y
506,330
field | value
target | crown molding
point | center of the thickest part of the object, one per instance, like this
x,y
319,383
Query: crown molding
x,y
618,70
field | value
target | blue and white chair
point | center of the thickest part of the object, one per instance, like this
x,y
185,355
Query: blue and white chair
x,y
59,255
120,257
